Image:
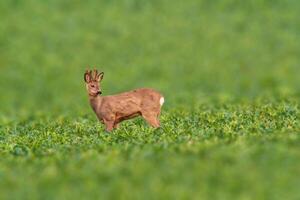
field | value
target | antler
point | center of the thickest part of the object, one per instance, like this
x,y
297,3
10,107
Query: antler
x,y
95,74
90,74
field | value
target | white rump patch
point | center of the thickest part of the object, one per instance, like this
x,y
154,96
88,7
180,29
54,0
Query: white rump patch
x,y
161,101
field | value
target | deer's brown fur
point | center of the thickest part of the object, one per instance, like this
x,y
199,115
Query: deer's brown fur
x,y
111,110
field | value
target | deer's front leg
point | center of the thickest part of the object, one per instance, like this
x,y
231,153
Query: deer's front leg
x,y
109,122
100,118
116,125
109,125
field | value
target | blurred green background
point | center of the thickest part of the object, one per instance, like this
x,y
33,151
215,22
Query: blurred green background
x,y
218,63
189,50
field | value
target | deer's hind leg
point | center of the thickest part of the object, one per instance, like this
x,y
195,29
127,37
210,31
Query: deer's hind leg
x,y
157,116
151,114
151,118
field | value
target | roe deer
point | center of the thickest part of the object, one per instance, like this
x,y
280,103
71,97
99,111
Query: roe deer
x,y
113,109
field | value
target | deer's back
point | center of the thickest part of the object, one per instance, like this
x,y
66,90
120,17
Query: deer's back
x,y
131,102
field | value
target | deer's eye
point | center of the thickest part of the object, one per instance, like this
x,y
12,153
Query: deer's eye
x,y
92,86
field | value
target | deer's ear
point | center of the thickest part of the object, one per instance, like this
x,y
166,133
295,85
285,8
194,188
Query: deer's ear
x,y
100,76
87,76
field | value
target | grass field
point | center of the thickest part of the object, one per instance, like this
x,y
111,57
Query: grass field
x,y
229,71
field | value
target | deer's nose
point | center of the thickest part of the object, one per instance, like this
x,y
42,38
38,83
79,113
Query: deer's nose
x,y
99,92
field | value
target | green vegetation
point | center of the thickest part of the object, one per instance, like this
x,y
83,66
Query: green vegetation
x,y
229,71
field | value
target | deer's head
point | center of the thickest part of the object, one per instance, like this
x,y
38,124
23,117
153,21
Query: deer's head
x,y
92,80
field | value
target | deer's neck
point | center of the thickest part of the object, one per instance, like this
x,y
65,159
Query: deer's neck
x,y
95,102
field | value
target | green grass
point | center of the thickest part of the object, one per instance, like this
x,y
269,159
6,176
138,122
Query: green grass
x,y
229,72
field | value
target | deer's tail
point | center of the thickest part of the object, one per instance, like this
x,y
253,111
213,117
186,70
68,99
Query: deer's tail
x,y
161,101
